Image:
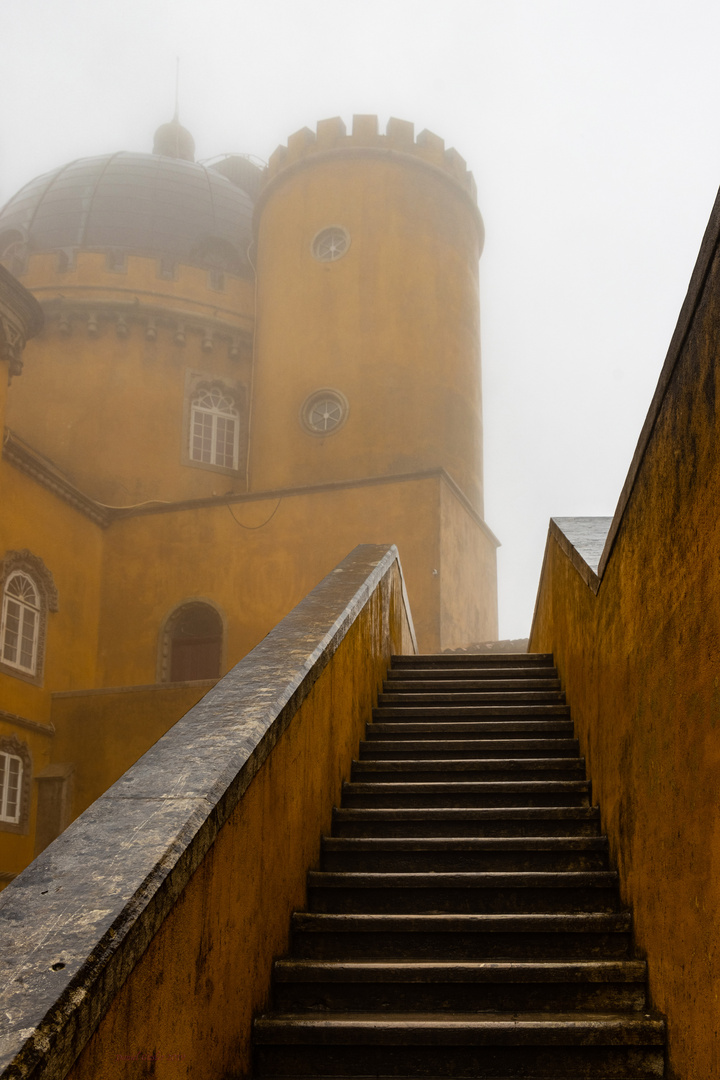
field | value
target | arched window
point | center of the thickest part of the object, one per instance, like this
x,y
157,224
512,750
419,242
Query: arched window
x,y
192,643
15,778
214,428
11,783
20,623
28,593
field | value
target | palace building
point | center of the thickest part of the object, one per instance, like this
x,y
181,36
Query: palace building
x,y
233,375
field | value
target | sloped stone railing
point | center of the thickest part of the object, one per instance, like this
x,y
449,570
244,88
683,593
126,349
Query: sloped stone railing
x,y
141,940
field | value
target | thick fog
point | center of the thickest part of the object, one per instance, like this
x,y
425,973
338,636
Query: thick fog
x,y
592,130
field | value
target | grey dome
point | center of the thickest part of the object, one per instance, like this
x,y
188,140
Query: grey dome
x,y
140,204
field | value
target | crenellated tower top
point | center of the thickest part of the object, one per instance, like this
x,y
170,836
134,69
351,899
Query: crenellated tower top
x,y
399,139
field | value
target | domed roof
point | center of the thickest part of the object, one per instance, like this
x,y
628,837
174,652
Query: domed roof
x,y
175,141
140,204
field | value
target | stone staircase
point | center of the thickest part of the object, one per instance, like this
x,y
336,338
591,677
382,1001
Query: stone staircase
x,y
465,921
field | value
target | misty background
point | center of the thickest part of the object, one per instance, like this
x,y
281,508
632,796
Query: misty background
x,y
592,132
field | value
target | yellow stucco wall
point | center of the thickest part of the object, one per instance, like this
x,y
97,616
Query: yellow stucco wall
x,y
468,570
207,970
104,732
70,545
126,396
393,324
640,663
255,575
4,372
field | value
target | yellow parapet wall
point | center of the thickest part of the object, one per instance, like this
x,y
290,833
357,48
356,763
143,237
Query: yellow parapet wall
x,y
147,931
636,639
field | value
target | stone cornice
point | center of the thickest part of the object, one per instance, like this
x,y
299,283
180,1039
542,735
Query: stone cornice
x,y
28,461
89,312
23,722
21,318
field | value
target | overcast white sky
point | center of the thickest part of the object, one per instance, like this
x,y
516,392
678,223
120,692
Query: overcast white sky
x,y
593,131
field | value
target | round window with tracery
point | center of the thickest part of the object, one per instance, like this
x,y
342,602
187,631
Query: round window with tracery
x,y
330,244
324,412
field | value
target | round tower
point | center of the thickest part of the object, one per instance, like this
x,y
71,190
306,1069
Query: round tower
x,y
367,356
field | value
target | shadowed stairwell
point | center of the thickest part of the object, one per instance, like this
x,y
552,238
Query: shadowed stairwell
x,y
465,920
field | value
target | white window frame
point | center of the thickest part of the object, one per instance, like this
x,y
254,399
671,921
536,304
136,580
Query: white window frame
x,y
24,610
5,760
209,406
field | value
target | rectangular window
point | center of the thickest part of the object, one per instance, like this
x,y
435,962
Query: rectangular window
x,y
214,439
12,631
202,438
10,780
19,635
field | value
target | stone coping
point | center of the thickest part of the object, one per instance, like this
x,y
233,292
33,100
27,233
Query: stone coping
x,y
76,921
583,540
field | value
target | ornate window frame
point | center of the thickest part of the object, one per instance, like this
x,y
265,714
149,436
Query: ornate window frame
x,y
12,746
165,638
31,566
198,386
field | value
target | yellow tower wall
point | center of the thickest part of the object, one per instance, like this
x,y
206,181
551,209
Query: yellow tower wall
x,y
393,324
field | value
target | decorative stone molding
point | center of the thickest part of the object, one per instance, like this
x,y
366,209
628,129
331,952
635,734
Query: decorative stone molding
x,y
26,460
23,722
21,318
212,331
36,568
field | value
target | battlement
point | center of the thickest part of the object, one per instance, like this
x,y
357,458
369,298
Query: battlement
x,y
331,135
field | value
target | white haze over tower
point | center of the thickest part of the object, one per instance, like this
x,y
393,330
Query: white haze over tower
x,y
592,132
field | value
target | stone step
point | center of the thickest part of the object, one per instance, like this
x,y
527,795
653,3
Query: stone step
x,y
441,749
470,793
452,986
477,697
462,937
470,712
466,660
490,821
451,854
463,893
414,770
541,1045
442,673
461,729
406,683
464,922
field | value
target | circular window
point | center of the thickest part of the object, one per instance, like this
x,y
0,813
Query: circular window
x,y
324,411
330,244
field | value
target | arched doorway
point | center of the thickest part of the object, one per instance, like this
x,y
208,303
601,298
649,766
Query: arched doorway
x,y
193,643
